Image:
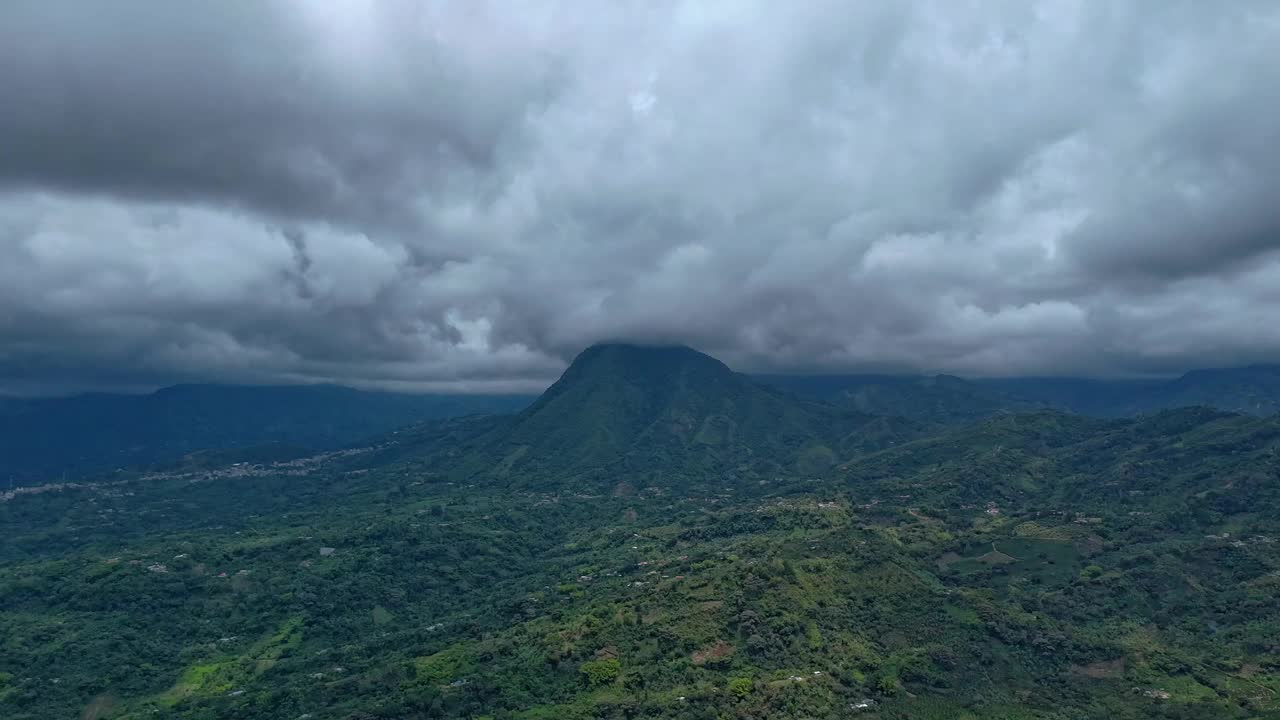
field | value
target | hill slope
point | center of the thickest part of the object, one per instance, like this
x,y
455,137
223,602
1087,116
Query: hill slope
x,y
665,415
759,556
1029,567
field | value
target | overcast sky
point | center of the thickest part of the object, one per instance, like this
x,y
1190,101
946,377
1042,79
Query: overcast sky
x,y
463,195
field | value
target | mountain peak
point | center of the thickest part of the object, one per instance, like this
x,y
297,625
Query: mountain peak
x,y
641,363
644,352
644,411
618,379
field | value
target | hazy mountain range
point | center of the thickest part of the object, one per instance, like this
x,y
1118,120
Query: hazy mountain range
x,y
41,439
657,537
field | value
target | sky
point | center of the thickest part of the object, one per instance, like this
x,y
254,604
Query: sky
x,y
460,196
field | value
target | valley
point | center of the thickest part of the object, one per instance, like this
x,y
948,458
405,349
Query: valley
x,y
658,537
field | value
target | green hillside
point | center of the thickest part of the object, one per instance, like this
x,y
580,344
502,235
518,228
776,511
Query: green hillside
x,y
1040,566
670,417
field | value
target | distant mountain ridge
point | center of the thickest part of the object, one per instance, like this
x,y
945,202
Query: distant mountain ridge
x,y
939,398
43,439
1253,390
618,409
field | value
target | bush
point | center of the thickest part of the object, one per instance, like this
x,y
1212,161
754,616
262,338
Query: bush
x,y
600,672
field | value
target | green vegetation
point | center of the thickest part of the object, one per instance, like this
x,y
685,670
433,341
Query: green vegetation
x,y
601,672
667,558
624,417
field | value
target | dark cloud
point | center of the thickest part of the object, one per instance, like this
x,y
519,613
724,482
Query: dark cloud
x,y
332,110
465,194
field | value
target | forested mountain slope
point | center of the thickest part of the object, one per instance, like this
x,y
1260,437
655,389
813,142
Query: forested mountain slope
x,y
1038,566
671,416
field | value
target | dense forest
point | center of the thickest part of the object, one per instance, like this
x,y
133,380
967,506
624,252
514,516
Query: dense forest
x,y
658,537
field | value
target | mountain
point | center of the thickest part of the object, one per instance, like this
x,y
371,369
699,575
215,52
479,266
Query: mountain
x,y
947,399
937,399
1251,390
653,539
1088,396
45,439
666,415
642,412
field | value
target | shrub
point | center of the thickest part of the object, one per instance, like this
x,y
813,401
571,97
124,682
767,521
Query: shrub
x,y
600,672
741,687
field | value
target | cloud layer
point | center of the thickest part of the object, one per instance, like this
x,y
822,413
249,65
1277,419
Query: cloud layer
x,y
463,195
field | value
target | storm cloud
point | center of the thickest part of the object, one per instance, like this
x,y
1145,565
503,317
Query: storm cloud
x,y
463,195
